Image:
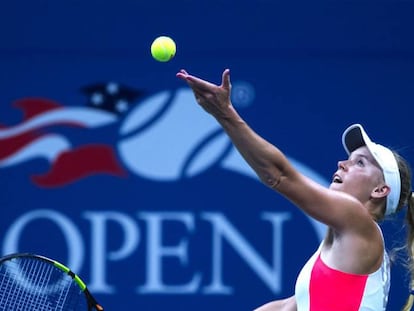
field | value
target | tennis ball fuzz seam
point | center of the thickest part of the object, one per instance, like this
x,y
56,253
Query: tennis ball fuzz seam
x,y
163,49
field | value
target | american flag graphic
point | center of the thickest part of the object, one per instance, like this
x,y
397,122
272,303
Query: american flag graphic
x,y
39,135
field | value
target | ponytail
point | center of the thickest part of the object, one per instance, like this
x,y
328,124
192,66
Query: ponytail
x,y
410,249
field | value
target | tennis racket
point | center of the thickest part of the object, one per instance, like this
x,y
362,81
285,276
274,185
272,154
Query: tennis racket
x,y
30,282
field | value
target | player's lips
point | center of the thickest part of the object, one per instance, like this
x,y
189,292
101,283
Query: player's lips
x,y
337,179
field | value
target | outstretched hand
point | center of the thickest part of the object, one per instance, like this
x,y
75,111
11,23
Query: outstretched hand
x,y
215,99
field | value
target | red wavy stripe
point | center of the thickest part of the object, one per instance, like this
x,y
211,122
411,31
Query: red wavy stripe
x,y
35,106
11,145
79,163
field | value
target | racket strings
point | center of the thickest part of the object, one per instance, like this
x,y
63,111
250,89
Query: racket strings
x,y
36,286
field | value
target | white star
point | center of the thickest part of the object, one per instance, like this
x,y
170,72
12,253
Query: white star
x,y
112,88
122,105
97,99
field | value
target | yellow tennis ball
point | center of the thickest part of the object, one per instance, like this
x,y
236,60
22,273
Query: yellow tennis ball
x,y
163,49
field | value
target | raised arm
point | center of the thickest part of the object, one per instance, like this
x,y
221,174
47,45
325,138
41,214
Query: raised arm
x,y
266,160
272,167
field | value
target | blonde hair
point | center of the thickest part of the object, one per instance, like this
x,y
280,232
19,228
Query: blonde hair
x,y
407,199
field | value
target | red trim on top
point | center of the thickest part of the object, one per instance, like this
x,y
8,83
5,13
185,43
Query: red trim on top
x,y
328,287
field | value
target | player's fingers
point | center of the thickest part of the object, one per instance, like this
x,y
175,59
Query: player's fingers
x,y
193,82
200,84
181,74
197,95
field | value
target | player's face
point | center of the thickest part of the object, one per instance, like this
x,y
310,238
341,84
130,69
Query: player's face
x,y
359,176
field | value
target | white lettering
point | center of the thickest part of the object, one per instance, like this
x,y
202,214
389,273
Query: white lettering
x,y
223,229
72,236
159,251
156,251
99,252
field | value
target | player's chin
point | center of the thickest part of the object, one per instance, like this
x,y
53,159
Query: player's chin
x,y
335,186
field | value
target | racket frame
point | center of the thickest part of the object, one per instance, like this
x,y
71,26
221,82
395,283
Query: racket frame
x,y
91,301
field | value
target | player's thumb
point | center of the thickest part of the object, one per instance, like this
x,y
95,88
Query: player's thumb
x,y
226,79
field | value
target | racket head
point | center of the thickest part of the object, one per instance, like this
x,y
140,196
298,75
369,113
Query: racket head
x,y
35,282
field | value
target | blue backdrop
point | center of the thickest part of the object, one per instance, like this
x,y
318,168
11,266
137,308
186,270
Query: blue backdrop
x,y
108,165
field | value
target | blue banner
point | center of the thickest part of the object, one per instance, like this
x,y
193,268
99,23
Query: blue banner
x,y
108,165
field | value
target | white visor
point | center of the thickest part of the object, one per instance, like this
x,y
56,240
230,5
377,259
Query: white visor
x,y
355,137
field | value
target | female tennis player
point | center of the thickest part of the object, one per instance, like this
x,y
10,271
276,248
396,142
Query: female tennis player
x,y
350,269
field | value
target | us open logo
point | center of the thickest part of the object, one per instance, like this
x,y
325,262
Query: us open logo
x,y
115,184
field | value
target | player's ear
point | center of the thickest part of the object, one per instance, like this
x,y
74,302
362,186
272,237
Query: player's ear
x,y
380,191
